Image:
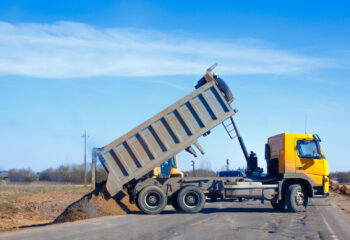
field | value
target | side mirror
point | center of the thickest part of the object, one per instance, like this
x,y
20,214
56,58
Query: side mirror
x,y
317,138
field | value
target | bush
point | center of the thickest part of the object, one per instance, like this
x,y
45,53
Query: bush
x,y
64,173
50,175
341,177
72,174
22,175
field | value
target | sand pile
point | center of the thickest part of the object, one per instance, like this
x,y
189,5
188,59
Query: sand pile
x,y
96,204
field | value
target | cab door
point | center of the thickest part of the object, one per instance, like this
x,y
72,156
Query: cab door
x,y
308,160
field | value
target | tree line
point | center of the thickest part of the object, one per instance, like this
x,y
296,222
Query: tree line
x,y
64,173
341,177
75,174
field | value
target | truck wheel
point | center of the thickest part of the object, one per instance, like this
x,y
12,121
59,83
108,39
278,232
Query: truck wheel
x,y
191,199
222,86
296,198
225,89
152,200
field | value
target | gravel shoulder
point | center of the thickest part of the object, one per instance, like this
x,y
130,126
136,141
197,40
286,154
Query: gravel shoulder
x,y
341,203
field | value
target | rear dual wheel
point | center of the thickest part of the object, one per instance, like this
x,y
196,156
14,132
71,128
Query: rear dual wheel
x,y
190,199
152,200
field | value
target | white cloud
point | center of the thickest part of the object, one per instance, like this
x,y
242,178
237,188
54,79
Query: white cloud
x,y
69,50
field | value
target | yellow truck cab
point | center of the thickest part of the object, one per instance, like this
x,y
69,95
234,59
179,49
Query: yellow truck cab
x,y
168,169
297,158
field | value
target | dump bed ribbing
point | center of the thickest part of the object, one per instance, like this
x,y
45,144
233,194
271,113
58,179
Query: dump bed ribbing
x,y
169,132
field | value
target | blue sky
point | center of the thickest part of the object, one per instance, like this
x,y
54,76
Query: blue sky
x,y
106,66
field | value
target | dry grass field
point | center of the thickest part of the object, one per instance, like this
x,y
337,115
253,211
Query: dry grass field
x,y
36,203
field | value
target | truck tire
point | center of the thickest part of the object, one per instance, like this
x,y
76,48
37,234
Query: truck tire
x,y
221,85
152,200
191,199
225,89
296,198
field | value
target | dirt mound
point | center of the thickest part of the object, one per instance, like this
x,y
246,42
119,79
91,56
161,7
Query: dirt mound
x,y
34,204
339,188
96,204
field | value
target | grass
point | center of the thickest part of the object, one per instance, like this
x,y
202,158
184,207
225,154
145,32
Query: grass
x,y
9,193
33,189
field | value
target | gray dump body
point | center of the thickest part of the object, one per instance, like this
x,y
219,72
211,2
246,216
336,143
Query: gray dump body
x,y
169,132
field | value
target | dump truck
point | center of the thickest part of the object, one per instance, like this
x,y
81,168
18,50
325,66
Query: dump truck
x,y
296,166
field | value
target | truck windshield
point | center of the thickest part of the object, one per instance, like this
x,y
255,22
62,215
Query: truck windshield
x,y
308,149
167,166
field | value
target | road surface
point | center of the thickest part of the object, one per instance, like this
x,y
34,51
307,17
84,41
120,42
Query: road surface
x,y
221,220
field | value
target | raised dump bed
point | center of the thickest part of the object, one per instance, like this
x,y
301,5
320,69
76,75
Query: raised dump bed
x,y
169,132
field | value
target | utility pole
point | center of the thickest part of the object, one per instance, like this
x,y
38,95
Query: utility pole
x,y
227,164
85,173
93,168
193,170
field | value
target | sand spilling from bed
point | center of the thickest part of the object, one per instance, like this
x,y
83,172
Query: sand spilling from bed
x,y
96,204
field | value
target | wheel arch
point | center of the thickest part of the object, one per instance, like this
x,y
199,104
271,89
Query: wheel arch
x,y
301,181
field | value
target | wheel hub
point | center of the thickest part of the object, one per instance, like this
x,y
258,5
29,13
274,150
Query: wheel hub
x,y
191,199
299,198
153,200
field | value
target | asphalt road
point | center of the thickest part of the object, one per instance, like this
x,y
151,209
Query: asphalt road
x,y
221,220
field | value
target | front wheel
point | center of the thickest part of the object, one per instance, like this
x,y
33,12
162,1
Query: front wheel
x,y
191,199
296,198
152,200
